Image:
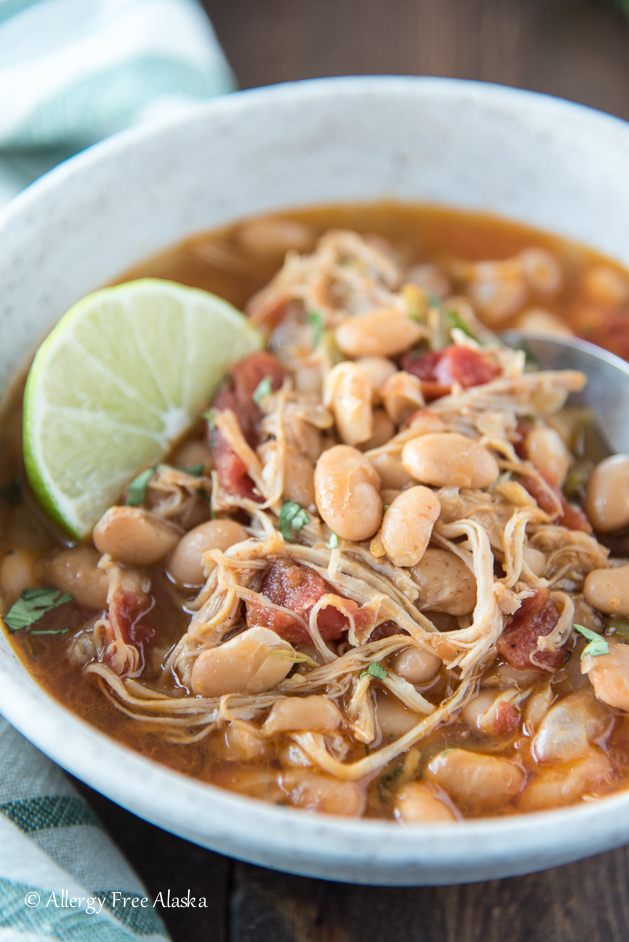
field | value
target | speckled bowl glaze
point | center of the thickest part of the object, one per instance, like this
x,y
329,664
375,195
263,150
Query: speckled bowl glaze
x,y
546,162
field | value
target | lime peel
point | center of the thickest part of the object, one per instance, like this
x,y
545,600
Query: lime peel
x,y
124,372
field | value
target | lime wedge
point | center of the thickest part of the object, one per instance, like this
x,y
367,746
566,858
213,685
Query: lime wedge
x,y
123,373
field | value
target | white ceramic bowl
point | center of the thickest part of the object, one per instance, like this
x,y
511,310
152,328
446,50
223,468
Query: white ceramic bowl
x,y
546,162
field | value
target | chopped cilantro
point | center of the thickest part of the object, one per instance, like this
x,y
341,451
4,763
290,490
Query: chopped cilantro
x,y
292,515
203,495
316,320
597,645
385,508
388,780
333,542
375,670
209,418
264,388
455,320
196,471
32,605
136,492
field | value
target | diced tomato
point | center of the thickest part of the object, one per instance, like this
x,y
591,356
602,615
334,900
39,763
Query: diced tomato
x,y
237,394
535,618
438,371
386,630
299,588
571,517
130,613
231,470
507,719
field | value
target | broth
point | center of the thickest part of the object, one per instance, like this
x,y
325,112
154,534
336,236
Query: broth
x,y
593,302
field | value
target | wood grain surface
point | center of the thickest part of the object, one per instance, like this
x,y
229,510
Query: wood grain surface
x,y
572,48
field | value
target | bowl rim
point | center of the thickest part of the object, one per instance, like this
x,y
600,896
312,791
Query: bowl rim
x,y
376,848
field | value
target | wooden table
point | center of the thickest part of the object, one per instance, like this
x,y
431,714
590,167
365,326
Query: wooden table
x,y
577,49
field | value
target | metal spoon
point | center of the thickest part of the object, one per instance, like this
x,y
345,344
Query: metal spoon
x,y
607,390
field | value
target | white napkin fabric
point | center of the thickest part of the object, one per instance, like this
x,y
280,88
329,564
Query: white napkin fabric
x,y
74,71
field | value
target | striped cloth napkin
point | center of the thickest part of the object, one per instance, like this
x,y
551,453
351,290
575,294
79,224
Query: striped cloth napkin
x,y
74,71
71,73
61,877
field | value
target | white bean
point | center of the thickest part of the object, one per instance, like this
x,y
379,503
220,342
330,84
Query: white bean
x,y
346,493
605,285
383,431
135,536
254,661
607,495
242,745
569,728
383,332
498,289
349,392
186,564
402,395
378,369
393,718
475,780
431,279
449,459
76,571
539,321
607,590
269,239
541,270
298,478
546,449
416,803
553,787
17,573
391,471
407,525
416,665
323,794
445,583
609,675
535,560
191,453
298,714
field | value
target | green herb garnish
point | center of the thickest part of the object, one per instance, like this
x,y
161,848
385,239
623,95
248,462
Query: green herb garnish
x,y
209,418
316,320
49,631
32,605
387,780
12,493
385,508
136,492
374,670
203,495
264,388
455,320
196,471
333,542
597,645
292,515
